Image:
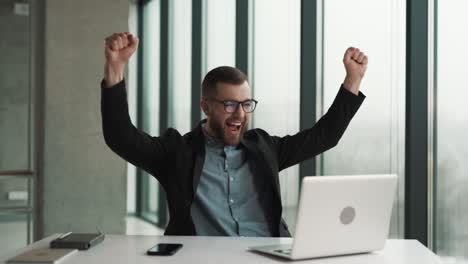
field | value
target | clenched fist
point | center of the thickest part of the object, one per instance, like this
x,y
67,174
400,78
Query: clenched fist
x,y
118,49
355,62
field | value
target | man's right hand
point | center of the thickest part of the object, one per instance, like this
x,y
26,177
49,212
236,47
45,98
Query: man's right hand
x,y
118,49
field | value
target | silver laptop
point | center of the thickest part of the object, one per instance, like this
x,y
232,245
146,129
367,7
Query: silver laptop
x,y
340,215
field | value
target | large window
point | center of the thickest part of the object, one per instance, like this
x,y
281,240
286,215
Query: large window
x,y
180,64
177,45
374,141
219,34
150,103
451,188
275,80
132,92
15,119
17,126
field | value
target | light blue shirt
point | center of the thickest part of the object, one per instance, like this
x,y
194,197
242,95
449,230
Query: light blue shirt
x,y
231,200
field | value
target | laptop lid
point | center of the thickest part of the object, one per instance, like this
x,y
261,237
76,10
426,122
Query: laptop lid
x,y
340,215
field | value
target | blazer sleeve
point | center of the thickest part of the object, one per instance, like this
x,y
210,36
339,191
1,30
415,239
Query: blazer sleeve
x,y
133,145
323,136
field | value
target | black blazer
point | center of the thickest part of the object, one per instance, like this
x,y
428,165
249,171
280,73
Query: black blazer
x,y
176,160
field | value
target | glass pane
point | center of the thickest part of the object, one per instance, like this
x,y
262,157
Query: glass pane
x,y
151,75
151,97
14,192
451,189
219,32
14,232
276,52
153,195
132,94
180,64
14,85
374,141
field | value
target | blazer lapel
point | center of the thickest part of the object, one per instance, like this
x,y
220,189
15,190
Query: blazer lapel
x,y
198,145
261,158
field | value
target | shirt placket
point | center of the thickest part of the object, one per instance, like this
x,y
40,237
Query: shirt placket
x,y
232,198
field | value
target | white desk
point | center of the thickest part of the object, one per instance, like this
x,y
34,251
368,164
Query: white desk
x,y
117,249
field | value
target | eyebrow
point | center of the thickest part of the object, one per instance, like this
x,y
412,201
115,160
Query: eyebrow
x,y
233,100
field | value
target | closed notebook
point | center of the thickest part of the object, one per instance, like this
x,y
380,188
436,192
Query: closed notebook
x,y
81,241
43,255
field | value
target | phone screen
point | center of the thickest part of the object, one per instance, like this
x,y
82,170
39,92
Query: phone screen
x,y
164,249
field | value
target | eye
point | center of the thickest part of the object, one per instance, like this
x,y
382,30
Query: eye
x,y
230,104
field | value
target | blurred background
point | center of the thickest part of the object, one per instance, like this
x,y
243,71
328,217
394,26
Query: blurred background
x,y
57,174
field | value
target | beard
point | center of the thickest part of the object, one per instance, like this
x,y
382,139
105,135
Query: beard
x,y
228,135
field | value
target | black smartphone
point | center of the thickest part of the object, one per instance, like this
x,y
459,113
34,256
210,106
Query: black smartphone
x,y
164,249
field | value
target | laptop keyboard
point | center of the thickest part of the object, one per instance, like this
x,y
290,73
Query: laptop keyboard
x,y
284,251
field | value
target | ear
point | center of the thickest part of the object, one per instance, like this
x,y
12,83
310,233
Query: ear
x,y
205,106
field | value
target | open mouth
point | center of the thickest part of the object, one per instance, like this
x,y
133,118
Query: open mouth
x,y
233,126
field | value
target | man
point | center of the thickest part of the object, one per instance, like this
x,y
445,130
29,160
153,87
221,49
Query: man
x,y
220,178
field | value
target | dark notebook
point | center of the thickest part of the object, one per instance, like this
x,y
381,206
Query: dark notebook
x,y
81,241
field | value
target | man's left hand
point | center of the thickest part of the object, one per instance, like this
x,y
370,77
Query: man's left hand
x,y
355,62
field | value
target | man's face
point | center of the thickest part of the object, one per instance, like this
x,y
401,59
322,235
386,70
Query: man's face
x,y
227,127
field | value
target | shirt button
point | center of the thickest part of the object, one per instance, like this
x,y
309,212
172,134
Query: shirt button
x,y
231,200
236,219
231,178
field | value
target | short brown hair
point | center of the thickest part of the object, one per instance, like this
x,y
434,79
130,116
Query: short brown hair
x,y
224,74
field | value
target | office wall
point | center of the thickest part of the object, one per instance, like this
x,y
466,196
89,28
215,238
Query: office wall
x,y
84,184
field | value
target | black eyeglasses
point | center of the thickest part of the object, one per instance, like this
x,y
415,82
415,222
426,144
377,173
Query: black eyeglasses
x,y
231,106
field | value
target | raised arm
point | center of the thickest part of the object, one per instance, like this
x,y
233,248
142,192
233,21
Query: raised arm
x,y
130,143
326,133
